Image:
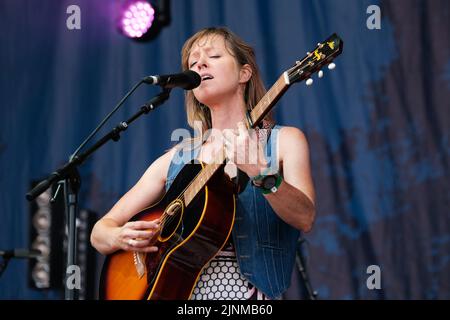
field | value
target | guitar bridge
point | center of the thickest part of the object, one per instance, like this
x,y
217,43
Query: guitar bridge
x,y
139,263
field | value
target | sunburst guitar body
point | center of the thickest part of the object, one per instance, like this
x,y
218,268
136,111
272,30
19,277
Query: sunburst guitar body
x,y
190,237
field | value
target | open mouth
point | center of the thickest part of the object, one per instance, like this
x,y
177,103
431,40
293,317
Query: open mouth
x,y
206,77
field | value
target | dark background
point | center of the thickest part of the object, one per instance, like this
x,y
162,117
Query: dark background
x,y
378,126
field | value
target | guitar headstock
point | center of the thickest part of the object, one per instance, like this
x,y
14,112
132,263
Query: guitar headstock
x,y
314,61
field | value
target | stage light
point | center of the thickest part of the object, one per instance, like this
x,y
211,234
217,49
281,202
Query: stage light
x,y
137,19
142,20
42,244
48,234
41,275
41,220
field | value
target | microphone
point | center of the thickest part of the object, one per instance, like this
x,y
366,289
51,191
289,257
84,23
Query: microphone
x,y
187,80
20,253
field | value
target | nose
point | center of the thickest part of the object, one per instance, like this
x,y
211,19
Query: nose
x,y
201,63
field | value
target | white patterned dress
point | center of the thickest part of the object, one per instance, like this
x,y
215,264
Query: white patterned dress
x,y
221,280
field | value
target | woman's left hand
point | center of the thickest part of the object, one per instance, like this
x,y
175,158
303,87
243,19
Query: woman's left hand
x,y
243,148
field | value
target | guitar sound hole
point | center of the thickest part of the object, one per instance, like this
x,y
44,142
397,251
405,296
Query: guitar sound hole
x,y
173,215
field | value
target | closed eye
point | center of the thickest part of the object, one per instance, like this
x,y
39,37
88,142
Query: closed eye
x,y
193,64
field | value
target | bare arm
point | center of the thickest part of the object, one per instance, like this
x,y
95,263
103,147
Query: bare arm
x,y
113,231
295,197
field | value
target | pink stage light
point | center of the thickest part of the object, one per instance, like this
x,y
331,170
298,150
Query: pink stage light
x,y
137,18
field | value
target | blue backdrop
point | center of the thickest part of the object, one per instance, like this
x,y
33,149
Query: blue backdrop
x,y
378,126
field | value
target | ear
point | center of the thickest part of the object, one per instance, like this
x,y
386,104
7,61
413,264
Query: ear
x,y
245,73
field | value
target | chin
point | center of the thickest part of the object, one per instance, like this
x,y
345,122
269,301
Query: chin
x,y
206,98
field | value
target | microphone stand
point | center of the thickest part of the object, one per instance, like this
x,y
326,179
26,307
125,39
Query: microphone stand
x,y
9,254
71,180
301,265
4,264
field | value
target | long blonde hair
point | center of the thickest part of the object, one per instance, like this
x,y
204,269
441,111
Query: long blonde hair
x,y
243,53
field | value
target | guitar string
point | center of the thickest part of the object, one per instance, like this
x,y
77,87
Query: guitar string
x,y
168,217
260,108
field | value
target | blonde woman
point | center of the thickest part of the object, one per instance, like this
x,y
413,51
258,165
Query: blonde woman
x,y
273,207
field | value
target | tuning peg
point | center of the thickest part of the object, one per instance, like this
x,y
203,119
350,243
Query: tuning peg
x,y
331,66
320,74
309,82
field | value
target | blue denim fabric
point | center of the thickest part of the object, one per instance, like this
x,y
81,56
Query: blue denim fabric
x,y
265,245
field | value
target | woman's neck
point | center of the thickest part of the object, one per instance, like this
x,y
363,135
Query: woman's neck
x,y
227,115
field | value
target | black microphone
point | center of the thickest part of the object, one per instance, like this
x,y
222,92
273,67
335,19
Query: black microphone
x,y
187,80
20,253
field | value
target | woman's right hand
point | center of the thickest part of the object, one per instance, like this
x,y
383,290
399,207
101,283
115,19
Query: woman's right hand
x,y
138,236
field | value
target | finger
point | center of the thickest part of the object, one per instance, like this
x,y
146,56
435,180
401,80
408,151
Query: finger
x,y
129,244
139,243
143,224
139,234
136,243
148,249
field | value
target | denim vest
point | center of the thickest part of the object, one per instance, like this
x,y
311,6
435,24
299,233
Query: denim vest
x,y
265,245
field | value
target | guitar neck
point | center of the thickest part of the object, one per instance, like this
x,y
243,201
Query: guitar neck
x,y
203,177
269,100
256,116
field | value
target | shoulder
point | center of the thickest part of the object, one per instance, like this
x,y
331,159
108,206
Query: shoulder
x,y
291,140
161,165
291,135
165,159
291,132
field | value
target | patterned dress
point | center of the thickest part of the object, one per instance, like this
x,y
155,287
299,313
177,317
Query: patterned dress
x,y
221,280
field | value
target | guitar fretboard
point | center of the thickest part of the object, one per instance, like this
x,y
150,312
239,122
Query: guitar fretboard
x,y
268,101
202,178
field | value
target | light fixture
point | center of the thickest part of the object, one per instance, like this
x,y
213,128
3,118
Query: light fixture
x,y
142,20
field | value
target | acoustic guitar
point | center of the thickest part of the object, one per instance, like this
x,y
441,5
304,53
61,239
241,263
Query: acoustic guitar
x,y
197,212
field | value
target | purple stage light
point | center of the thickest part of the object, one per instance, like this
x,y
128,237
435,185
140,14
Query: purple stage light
x,y
137,18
